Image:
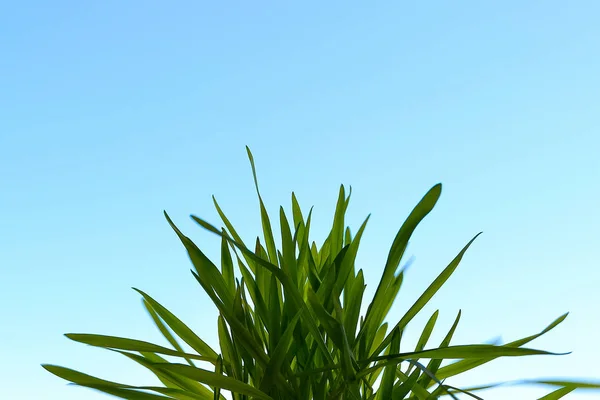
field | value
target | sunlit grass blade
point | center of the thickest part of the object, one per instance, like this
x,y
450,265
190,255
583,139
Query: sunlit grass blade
x,y
279,355
434,364
180,329
389,374
274,314
164,330
466,351
205,268
240,331
129,394
466,365
230,354
352,307
215,380
227,265
264,216
170,380
114,342
373,317
402,390
336,237
113,388
428,294
557,394
288,248
347,264
425,335
218,371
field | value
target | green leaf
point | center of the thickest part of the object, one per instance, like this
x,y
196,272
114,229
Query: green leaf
x,y
288,248
215,380
558,394
264,216
172,381
115,389
164,330
465,351
374,315
279,355
228,349
403,389
274,314
434,365
425,335
205,268
227,265
180,329
352,308
113,342
389,374
466,365
337,231
428,294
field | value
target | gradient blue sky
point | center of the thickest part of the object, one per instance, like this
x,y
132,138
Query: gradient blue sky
x,y
112,111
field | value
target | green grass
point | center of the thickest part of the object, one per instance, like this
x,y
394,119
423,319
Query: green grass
x,y
290,323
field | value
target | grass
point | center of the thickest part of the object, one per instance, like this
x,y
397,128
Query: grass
x,y
290,323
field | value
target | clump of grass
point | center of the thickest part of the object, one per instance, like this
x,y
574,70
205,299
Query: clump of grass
x,y
290,324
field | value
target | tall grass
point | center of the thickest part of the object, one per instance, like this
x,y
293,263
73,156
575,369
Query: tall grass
x,y
290,323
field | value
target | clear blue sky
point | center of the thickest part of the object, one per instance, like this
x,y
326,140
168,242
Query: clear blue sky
x,y
112,111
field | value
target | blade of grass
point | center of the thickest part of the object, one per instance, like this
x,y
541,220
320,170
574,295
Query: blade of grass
x,y
114,342
425,335
164,330
466,365
215,380
373,318
428,294
264,216
180,329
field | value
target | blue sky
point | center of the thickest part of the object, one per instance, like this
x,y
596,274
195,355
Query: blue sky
x,y
112,111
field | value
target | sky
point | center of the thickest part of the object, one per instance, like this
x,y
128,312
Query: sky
x,y
111,112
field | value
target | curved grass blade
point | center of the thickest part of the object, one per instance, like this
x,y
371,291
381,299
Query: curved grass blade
x,y
352,307
112,388
170,380
227,265
215,380
399,392
264,216
204,267
466,365
279,355
428,294
425,335
218,371
456,352
434,364
230,354
164,330
288,248
114,342
386,387
470,351
336,237
180,329
557,394
373,317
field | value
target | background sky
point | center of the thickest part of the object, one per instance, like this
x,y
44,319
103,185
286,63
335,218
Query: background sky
x,y
112,111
